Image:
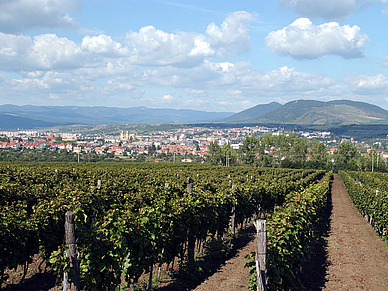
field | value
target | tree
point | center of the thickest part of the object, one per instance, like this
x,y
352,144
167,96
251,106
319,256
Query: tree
x,y
228,155
318,155
248,150
347,157
214,153
297,151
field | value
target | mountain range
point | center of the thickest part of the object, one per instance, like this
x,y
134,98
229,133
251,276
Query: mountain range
x,y
28,116
298,112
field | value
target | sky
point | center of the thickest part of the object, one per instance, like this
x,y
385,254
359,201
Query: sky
x,y
203,55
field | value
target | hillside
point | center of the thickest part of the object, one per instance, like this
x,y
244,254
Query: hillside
x,y
339,112
62,115
14,121
252,113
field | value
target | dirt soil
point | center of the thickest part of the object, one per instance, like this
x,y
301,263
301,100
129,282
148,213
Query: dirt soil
x,y
357,259
232,275
349,256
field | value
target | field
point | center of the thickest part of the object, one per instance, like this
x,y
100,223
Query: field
x,y
131,219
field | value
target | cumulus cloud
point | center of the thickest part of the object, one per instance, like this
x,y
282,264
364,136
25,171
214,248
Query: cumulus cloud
x,y
152,46
303,40
50,51
232,36
368,85
13,48
21,15
42,52
104,45
149,46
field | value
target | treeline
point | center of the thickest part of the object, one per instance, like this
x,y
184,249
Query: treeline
x,y
290,151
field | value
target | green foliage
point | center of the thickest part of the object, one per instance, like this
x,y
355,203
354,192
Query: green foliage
x,y
291,230
369,193
215,153
347,157
131,219
248,150
251,265
221,155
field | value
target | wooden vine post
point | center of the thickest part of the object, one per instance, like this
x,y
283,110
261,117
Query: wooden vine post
x,y
261,253
71,253
233,218
191,237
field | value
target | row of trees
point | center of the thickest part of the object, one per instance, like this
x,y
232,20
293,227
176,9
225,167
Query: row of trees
x,y
289,151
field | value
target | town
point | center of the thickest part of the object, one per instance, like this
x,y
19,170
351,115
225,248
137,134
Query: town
x,y
180,145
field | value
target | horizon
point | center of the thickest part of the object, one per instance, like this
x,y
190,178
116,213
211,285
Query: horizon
x,y
165,108
207,56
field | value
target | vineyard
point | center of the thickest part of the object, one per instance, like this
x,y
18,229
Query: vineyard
x,y
369,193
131,217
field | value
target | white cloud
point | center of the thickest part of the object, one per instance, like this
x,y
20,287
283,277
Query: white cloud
x,y
385,61
201,48
195,91
36,74
168,99
385,10
50,51
115,84
232,36
21,15
152,46
326,9
303,40
13,50
104,45
287,81
368,85
101,55
42,52
54,96
234,92
210,86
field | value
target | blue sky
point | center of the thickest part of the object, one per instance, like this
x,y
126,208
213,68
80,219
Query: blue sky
x,y
205,55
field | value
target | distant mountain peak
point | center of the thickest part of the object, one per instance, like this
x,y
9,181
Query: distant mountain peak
x,y
252,113
337,112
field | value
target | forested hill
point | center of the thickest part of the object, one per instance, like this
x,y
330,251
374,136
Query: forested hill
x,y
253,113
20,116
311,112
302,112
